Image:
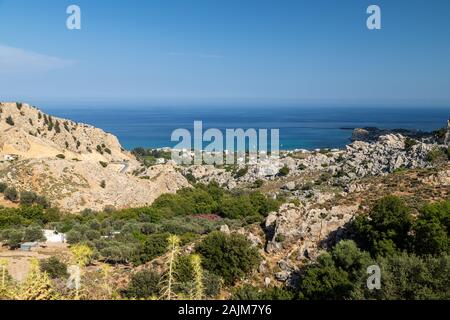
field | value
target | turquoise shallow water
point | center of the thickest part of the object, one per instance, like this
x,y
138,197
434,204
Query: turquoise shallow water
x,y
300,127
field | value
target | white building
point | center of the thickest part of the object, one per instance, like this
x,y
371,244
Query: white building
x,y
10,157
53,236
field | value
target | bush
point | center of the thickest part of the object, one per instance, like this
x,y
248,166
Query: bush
x,y
432,228
12,238
27,198
33,233
54,268
3,187
10,121
409,277
144,284
387,227
437,154
184,273
237,207
60,156
154,246
11,194
409,144
73,237
241,172
249,293
229,256
283,171
335,275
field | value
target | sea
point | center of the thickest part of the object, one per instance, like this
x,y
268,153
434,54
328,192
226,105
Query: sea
x,y
300,127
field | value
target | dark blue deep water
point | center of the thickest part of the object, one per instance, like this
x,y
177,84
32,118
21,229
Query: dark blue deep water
x,y
300,127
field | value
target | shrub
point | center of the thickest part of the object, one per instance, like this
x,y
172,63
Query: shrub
x,y
263,204
10,121
103,164
409,144
432,228
283,171
73,237
335,275
241,172
11,194
60,156
33,233
237,207
387,227
27,198
12,238
3,187
154,246
229,256
409,277
249,293
144,284
258,184
54,268
437,154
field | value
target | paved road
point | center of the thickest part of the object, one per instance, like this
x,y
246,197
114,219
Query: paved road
x,y
125,164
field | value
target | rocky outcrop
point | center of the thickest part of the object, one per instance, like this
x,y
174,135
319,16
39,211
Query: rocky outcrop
x,y
371,134
30,133
447,134
299,233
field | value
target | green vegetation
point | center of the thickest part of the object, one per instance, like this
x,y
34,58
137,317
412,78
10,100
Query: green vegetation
x,y
438,154
412,253
241,172
54,268
11,194
143,284
148,156
409,144
229,256
10,121
248,292
284,171
387,227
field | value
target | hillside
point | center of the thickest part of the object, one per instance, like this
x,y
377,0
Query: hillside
x,y
76,166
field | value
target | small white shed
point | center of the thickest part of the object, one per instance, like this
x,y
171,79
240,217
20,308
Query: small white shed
x,y
53,236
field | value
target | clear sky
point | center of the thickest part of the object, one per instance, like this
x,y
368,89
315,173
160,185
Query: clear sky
x,y
226,51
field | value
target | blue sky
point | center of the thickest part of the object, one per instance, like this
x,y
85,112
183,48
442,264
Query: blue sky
x,y
226,51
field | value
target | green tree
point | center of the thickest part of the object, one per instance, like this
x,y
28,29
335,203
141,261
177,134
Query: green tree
x,y
143,284
27,198
54,268
33,233
11,194
409,277
336,275
386,228
431,230
229,256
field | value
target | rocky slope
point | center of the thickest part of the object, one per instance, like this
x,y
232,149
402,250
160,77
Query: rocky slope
x,y
76,166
